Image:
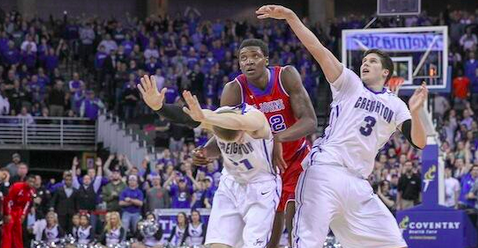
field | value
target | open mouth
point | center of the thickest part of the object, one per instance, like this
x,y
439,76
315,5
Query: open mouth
x,y
250,70
365,71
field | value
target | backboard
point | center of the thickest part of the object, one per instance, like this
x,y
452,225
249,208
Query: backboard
x,y
420,54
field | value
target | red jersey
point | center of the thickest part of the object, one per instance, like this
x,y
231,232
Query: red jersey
x,y
461,87
274,102
18,199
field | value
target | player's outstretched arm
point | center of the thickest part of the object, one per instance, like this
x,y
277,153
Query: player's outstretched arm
x,y
155,100
253,121
328,62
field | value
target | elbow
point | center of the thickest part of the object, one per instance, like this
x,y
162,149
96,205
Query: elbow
x,y
312,125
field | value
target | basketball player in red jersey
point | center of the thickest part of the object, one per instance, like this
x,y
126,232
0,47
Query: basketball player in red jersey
x,y
278,93
15,206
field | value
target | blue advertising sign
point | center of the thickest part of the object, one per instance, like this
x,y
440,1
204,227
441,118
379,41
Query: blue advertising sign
x,y
410,42
429,224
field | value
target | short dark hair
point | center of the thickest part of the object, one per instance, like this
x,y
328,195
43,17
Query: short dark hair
x,y
257,43
385,59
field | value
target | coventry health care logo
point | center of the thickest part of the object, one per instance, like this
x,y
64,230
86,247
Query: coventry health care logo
x,y
425,228
429,177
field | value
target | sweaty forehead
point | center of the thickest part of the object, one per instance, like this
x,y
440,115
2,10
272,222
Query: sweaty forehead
x,y
250,49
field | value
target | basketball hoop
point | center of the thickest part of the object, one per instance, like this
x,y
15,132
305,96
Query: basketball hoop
x,y
395,83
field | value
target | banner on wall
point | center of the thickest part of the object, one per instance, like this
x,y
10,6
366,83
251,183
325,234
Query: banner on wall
x,y
411,42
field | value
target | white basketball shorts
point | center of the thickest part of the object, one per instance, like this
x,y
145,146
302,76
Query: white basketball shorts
x,y
329,195
242,214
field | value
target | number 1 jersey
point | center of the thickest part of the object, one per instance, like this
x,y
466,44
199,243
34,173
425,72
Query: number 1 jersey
x,y
361,121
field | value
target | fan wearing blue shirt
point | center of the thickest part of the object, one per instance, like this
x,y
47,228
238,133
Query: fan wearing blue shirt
x,y
131,201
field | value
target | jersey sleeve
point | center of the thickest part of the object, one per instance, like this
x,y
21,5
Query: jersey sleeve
x,y
403,113
347,83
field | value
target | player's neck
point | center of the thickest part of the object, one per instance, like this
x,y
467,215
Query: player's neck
x,y
262,81
375,86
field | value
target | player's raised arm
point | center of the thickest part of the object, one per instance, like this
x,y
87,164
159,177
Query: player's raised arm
x,y
328,62
253,121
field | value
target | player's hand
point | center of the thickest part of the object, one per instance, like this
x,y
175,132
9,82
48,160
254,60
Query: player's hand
x,y
149,90
274,11
277,158
418,98
200,156
194,108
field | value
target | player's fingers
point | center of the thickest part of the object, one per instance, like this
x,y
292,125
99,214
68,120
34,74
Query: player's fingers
x,y
141,90
162,93
144,82
264,16
196,101
153,82
187,111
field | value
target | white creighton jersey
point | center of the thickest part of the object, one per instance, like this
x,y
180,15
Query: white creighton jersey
x,y
249,160
361,121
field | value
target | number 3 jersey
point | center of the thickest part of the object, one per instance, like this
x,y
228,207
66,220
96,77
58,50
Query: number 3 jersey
x,y
274,102
361,121
249,160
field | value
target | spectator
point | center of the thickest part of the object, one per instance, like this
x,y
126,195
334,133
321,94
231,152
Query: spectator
x,y
180,232
468,40
130,99
109,44
112,191
461,86
85,233
76,83
29,43
56,100
65,203
383,192
196,230
75,220
157,197
26,117
467,200
21,174
146,239
52,232
87,37
131,201
113,233
180,192
452,189
42,198
409,188
88,192
13,166
4,103
91,106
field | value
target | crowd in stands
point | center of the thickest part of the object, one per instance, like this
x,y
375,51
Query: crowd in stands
x,y
38,77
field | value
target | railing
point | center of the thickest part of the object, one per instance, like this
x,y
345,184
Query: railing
x,y
118,138
47,133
